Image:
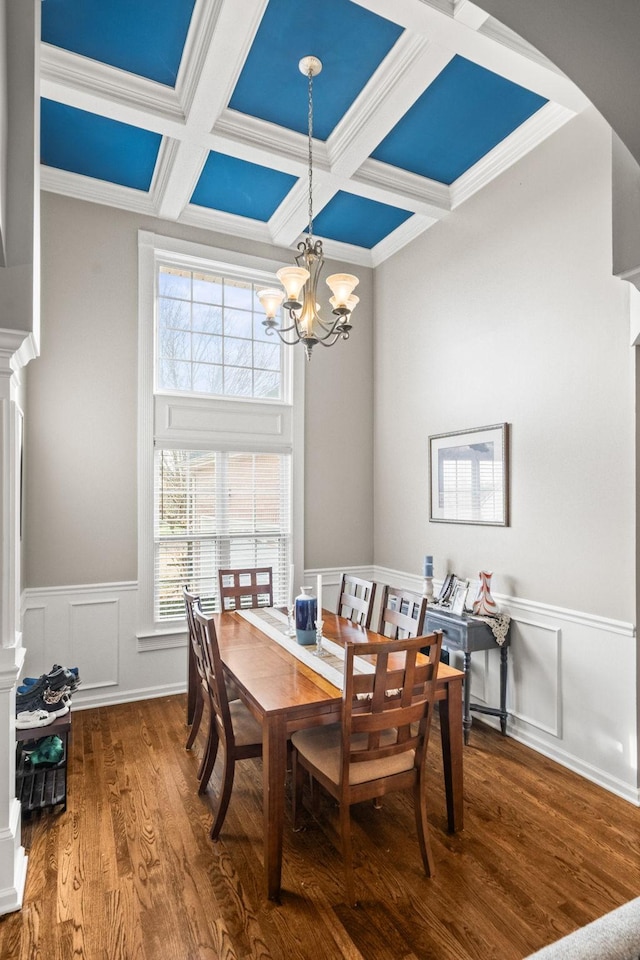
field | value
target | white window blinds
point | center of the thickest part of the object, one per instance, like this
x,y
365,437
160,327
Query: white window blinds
x,y
215,509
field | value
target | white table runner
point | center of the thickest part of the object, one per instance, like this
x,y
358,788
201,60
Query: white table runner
x,y
274,623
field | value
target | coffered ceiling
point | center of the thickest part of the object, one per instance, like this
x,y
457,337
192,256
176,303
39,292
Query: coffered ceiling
x,y
195,110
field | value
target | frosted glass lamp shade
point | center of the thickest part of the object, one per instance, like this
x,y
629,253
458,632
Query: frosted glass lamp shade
x,y
270,300
293,279
351,304
341,286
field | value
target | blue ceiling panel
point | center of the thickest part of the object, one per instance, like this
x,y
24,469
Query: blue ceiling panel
x,y
237,186
109,150
463,115
351,42
145,37
357,220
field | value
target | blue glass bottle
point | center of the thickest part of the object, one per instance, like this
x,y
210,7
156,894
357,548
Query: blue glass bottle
x,y
306,614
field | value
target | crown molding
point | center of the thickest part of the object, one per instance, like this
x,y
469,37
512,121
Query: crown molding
x,y
99,88
260,141
227,223
411,64
404,234
96,191
402,188
527,136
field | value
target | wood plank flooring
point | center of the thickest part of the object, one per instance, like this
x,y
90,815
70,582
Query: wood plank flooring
x,y
129,871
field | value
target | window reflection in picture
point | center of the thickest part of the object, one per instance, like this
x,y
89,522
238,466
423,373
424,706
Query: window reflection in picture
x,y
469,476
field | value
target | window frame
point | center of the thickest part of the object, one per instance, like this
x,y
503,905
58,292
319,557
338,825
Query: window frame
x,y
174,419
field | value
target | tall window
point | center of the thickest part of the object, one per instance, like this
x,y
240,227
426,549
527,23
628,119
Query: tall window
x,y
216,430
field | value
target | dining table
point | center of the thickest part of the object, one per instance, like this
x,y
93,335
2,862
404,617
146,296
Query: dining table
x,y
285,693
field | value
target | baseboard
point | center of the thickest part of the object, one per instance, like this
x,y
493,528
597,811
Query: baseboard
x,y
12,895
93,700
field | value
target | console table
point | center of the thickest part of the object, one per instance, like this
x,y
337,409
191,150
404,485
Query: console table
x,y
466,635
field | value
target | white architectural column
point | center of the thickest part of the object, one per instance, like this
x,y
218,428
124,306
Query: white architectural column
x,y
13,861
19,339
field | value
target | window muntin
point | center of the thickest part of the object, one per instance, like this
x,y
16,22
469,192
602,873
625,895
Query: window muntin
x,y
210,338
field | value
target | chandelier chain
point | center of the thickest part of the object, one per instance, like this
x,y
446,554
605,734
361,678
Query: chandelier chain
x,y
310,129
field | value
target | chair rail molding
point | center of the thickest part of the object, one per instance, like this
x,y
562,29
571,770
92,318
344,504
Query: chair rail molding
x,y
552,663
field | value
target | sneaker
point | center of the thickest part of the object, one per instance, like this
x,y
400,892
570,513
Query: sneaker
x,y
33,718
52,702
71,676
57,680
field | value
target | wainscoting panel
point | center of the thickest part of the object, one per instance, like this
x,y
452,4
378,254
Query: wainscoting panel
x,y
95,623
555,666
535,657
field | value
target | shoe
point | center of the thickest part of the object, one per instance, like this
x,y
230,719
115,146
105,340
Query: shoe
x,y
48,751
52,702
33,718
30,684
55,680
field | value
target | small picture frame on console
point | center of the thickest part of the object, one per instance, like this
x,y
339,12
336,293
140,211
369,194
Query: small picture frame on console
x,y
459,597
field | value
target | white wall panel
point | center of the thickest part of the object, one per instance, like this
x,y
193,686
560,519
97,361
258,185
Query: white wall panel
x,y
555,653
534,696
94,624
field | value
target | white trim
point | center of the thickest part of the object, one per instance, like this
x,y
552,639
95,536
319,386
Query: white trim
x,y
176,421
595,775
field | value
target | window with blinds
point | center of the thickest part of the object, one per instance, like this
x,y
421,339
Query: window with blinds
x,y
215,510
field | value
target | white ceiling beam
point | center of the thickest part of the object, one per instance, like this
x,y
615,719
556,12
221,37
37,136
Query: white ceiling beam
x,y
401,78
475,45
108,92
216,48
401,188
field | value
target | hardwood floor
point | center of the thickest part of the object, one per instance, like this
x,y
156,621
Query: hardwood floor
x,y
129,871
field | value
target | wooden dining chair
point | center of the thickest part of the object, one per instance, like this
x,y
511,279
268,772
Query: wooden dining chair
x,y
381,744
197,678
243,589
402,613
355,599
236,729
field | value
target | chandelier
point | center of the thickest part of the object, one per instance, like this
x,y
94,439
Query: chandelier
x,y
300,283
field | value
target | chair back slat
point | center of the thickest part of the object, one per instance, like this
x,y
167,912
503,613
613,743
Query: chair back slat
x,y
389,711
191,601
355,599
247,588
402,613
214,674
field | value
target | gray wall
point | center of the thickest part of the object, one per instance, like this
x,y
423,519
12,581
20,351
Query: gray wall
x,y
508,312
80,514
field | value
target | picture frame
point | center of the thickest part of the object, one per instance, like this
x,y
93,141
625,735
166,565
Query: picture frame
x,y
469,476
445,591
459,597
472,595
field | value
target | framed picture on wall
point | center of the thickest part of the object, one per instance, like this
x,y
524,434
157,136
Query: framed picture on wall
x,y
469,476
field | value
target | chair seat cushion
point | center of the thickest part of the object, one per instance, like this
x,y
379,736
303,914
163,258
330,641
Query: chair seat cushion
x,y
321,747
246,728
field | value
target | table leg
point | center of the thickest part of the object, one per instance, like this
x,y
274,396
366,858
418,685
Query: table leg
x,y
451,736
467,697
274,765
504,653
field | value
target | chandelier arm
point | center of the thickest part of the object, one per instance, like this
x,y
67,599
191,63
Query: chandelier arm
x,y
329,329
325,342
288,343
